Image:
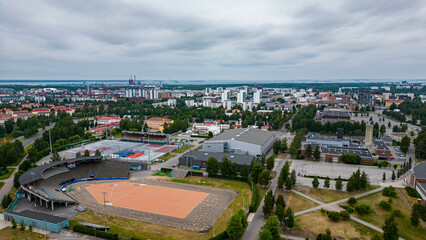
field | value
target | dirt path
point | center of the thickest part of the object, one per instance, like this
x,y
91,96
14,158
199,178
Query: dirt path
x,y
9,182
408,204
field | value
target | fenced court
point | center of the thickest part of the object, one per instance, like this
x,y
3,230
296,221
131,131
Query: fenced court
x,y
184,206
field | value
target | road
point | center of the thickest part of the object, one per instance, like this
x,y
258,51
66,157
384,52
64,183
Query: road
x,y
36,136
8,183
257,222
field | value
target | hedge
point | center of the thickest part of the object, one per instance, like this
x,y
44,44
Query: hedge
x,y
255,198
412,192
221,236
235,178
200,136
90,231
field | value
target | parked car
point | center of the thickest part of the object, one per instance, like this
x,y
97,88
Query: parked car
x,y
402,155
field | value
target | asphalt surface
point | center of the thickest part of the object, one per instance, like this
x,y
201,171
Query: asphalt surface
x,y
256,223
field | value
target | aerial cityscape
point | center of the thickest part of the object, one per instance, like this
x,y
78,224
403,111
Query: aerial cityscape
x,y
213,120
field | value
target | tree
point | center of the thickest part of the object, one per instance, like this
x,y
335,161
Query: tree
x,y
235,228
364,182
14,223
384,177
86,153
233,170
22,226
415,215
256,171
389,124
352,201
393,176
265,235
212,167
390,229
339,184
7,200
309,151
293,176
317,153
281,182
326,236
30,228
279,212
315,182
264,177
225,167
288,183
270,163
268,203
280,200
55,157
327,182
289,218
277,147
210,134
78,155
244,171
97,153
272,225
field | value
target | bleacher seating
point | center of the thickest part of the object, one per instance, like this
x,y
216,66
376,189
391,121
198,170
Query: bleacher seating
x,y
50,186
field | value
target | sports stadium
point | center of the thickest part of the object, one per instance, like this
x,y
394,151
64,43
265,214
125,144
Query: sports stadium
x,y
58,191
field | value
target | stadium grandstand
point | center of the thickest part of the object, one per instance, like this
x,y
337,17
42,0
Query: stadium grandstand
x,y
146,137
48,183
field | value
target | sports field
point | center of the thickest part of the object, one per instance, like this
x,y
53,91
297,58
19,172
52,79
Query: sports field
x,y
183,206
148,198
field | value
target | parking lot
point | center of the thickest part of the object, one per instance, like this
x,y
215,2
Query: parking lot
x,y
334,170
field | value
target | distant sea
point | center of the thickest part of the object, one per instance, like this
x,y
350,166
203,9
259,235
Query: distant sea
x,y
195,82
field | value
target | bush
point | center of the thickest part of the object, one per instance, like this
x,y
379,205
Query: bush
x,y
351,158
334,216
352,201
221,236
348,208
397,213
389,191
385,205
90,231
412,192
363,209
345,215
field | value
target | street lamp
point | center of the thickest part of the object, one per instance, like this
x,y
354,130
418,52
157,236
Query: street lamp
x,y
104,193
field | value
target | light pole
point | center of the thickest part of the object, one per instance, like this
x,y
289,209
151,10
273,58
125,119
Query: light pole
x,y
104,193
50,139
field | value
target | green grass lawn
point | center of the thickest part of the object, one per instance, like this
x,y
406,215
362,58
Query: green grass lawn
x,y
9,233
329,195
295,201
128,227
7,175
184,149
1,184
167,156
378,215
317,222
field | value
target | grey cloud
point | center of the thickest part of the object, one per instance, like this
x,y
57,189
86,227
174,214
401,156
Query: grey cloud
x,y
235,40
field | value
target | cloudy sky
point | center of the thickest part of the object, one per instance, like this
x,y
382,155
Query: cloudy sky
x,y
213,40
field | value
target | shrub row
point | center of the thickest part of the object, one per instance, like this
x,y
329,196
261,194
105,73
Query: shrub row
x,y
255,198
235,178
90,231
221,236
412,192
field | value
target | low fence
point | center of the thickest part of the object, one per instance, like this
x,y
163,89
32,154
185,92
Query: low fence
x,y
92,179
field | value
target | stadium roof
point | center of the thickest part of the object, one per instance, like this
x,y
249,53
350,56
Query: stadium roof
x,y
249,135
240,159
420,170
40,216
37,172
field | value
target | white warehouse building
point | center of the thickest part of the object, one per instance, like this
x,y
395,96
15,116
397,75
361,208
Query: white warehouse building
x,y
251,141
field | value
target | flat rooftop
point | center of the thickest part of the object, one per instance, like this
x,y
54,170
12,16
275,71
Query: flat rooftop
x,y
249,135
362,152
